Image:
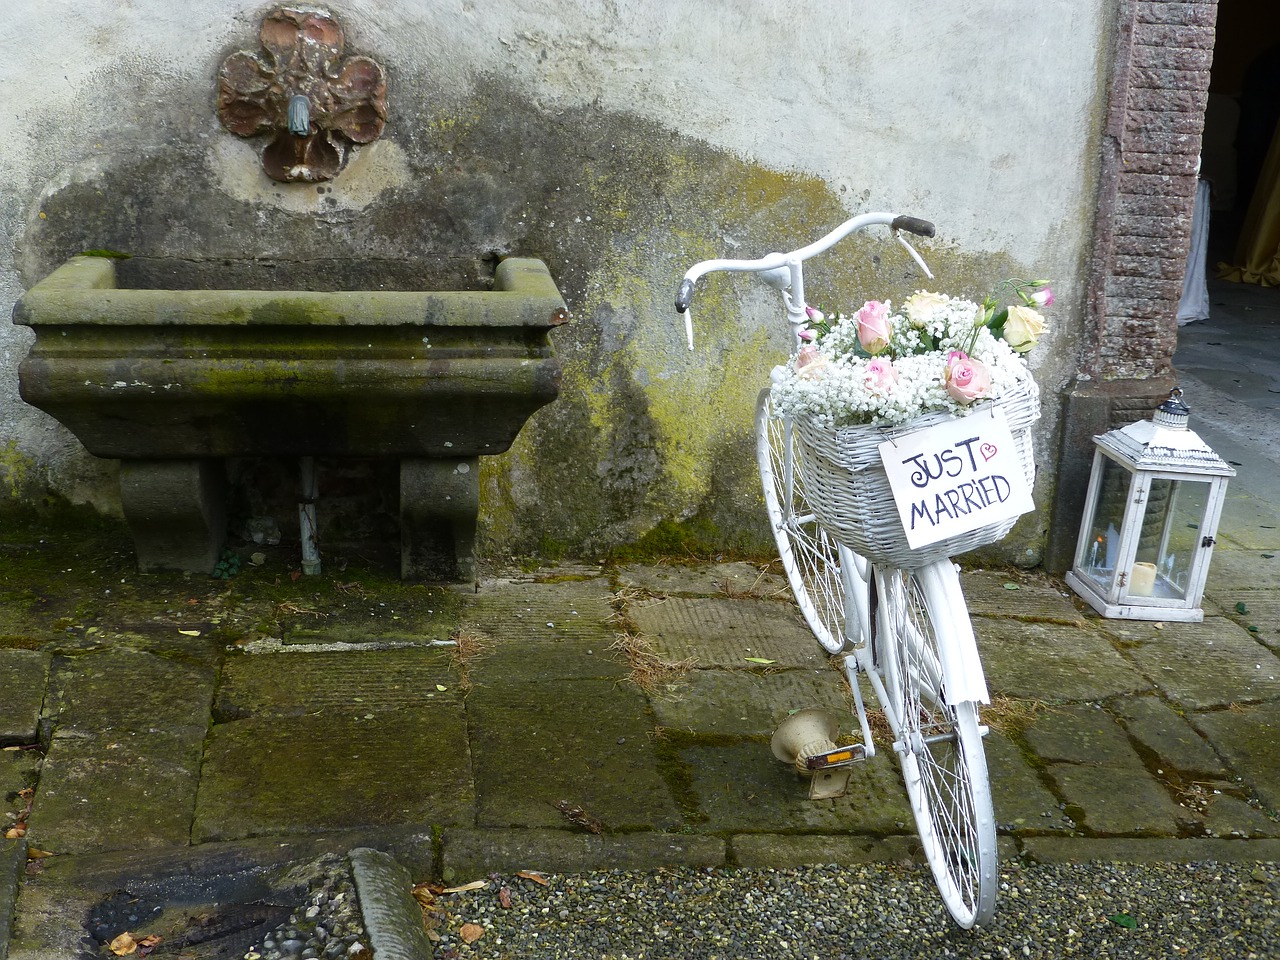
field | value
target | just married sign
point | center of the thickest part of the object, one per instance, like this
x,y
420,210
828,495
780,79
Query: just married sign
x,y
955,477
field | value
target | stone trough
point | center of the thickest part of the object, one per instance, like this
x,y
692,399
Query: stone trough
x,y
172,367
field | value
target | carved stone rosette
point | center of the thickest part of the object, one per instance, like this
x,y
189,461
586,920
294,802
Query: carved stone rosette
x,y
312,100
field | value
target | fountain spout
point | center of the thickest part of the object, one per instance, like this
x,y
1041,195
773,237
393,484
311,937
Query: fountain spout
x,y
299,115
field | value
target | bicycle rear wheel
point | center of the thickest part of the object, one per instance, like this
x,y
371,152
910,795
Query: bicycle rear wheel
x,y
939,744
823,574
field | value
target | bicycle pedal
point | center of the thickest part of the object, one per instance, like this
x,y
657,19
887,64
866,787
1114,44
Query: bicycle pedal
x,y
839,757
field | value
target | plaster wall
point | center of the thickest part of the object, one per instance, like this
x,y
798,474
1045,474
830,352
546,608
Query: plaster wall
x,y
617,140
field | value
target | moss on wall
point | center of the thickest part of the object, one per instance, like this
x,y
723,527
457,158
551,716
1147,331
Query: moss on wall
x,y
650,445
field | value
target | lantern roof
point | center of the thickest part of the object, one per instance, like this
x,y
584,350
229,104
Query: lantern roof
x,y
1165,442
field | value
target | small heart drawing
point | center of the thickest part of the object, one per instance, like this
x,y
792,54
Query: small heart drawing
x,y
988,450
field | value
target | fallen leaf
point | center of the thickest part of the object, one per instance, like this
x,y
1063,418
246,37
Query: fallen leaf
x,y
473,885
759,660
190,633
535,876
1241,608
578,816
441,687
147,944
16,832
424,895
1012,586
123,944
35,853
471,932
1123,920
504,898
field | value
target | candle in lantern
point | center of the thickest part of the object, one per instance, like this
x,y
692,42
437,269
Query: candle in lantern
x,y
1142,580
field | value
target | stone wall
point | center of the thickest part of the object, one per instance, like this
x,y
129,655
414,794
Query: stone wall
x,y
618,142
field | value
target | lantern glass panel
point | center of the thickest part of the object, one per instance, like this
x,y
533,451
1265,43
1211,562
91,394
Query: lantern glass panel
x,y
1101,551
1170,538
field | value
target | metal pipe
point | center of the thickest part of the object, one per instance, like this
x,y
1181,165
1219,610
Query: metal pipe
x,y
307,517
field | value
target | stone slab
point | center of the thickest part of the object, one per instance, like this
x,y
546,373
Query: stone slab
x,y
1247,739
1247,522
1020,799
1229,816
392,918
1176,744
1113,801
781,851
750,703
19,770
352,682
1138,850
1052,662
743,787
284,775
531,610
1081,734
23,674
1235,573
113,689
511,658
473,854
764,581
13,858
120,790
723,633
392,613
1028,596
1209,664
1261,612
587,743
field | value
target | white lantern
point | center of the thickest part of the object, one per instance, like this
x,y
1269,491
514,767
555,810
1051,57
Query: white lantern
x,y
1150,519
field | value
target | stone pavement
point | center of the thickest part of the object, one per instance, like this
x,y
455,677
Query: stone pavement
x,y
194,738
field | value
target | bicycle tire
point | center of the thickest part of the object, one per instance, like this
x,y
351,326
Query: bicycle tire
x,y
822,573
939,745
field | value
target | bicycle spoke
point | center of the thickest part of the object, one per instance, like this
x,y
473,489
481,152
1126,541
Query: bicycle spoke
x,y
941,755
810,557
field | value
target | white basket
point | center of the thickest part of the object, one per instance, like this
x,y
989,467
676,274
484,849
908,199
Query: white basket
x,y
845,482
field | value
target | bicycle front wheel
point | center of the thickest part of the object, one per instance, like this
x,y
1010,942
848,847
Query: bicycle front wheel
x,y
822,574
939,744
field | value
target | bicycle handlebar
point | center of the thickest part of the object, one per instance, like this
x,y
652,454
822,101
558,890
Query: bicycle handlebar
x,y
782,269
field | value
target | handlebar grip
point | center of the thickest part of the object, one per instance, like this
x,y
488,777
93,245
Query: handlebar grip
x,y
922,228
685,296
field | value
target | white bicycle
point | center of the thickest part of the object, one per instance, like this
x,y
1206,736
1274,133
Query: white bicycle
x,y
906,629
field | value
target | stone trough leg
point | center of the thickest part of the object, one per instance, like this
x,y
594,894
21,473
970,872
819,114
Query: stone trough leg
x,y
176,511
439,503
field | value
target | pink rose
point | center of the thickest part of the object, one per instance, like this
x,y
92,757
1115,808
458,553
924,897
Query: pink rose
x,y
807,335
873,326
881,377
966,379
810,361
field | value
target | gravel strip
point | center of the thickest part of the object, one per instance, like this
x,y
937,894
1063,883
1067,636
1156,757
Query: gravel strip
x,y
874,912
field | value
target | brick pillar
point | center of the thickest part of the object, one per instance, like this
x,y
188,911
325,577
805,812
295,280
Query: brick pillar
x,y
1147,184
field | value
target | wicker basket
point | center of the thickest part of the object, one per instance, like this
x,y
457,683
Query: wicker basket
x,y
849,491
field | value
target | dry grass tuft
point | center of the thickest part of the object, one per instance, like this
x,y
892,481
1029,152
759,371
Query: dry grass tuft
x,y
650,672
469,646
1011,716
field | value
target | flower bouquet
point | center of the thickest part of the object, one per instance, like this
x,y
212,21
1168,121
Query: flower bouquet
x,y
884,372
